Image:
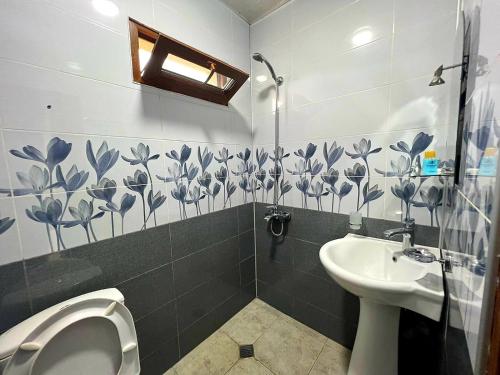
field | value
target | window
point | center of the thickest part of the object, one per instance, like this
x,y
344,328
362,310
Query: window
x,y
166,63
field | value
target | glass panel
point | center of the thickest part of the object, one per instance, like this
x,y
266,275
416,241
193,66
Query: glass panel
x,y
185,68
220,81
145,50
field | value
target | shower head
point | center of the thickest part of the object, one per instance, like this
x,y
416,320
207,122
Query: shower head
x,y
437,80
258,57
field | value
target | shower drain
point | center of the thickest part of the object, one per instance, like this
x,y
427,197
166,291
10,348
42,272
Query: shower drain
x,y
246,351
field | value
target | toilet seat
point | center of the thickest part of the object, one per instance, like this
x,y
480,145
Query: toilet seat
x,y
90,334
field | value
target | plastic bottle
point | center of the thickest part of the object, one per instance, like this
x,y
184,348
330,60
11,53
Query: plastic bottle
x,y
430,163
488,164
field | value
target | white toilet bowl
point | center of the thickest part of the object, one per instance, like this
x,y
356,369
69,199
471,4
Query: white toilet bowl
x,y
90,334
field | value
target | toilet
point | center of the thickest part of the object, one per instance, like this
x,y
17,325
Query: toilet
x,y
90,334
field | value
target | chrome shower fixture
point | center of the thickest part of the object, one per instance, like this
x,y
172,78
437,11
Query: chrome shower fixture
x,y
258,57
437,80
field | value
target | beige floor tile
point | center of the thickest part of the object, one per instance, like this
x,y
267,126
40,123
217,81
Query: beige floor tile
x,y
333,360
214,356
288,347
247,326
171,372
249,366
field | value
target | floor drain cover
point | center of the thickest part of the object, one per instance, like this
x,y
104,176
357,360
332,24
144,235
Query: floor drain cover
x,y
246,351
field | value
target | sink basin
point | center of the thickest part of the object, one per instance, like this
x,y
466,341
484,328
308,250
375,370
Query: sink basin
x,y
385,280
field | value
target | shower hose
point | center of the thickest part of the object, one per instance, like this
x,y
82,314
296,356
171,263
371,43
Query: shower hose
x,y
272,228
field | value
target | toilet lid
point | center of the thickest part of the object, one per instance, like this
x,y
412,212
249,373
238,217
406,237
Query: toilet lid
x,y
92,336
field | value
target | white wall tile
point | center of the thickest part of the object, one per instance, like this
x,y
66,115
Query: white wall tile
x,y
420,48
334,34
307,12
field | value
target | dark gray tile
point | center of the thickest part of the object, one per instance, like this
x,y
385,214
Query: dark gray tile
x,y
160,361
194,305
342,332
56,277
14,298
272,248
312,289
316,226
148,291
224,286
277,275
190,235
228,309
275,297
344,304
195,334
248,293
224,255
247,271
191,271
245,217
156,328
124,257
223,224
306,258
313,317
247,244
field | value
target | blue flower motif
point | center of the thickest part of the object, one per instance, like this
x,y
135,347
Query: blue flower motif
x,y
138,184
356,175
105,190
230,190
196,196
285,187
314,168
204,158
244,155
83,215
332,154
316,191
400,168
432,198
300,168
224,156
57,151
261,157
36,182
174,174
308,153
5,224
154,202
73,180
280,155
48,212
141,155
103,161
191,172
179,193
221,175
181,157
126,203
370,194
343,191
363,149
419,145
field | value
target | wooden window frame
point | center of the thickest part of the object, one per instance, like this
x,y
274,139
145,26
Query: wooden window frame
x,y
154,75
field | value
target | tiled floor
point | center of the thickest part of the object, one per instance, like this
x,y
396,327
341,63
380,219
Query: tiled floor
x,y
282,346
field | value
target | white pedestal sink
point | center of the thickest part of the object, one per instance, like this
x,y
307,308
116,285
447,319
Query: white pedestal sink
x,y
384,280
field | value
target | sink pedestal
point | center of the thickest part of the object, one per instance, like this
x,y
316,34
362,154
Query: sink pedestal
x,y
375,350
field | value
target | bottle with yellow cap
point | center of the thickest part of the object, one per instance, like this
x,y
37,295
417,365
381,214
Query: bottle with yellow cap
x,y
430,163
488,164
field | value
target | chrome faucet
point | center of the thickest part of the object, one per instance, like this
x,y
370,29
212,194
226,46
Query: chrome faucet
x,y
407,231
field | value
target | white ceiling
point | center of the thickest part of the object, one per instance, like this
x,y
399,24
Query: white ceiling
x,y
254,10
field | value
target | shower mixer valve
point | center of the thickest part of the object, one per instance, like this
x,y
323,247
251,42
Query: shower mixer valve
x,y
276,215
